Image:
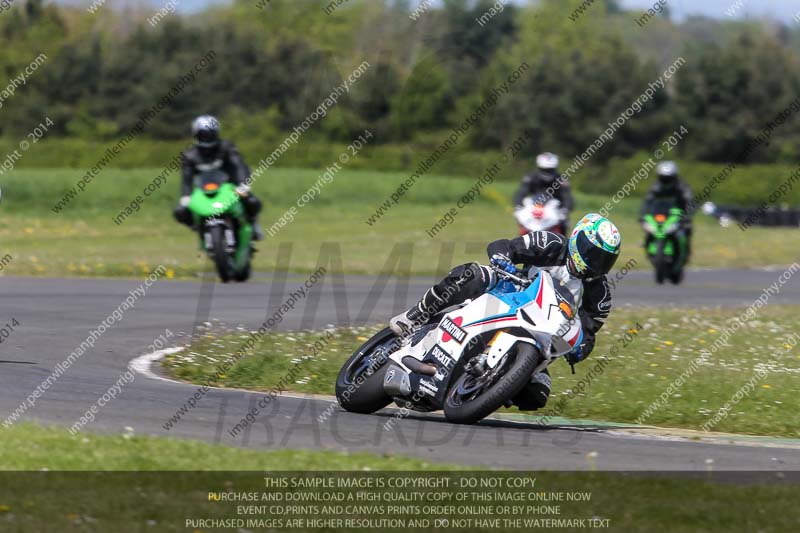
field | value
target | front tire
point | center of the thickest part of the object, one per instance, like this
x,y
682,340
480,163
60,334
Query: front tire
x,y
468,401
359,385
661,264
220,255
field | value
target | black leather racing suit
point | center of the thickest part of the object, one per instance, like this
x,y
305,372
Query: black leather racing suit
x,y
541,249
678,192
539,181
225,157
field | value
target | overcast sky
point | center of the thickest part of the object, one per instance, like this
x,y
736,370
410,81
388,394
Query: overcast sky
x,y
784,10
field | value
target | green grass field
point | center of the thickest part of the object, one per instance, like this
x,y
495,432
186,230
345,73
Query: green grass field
x,y
31,447
164,481
654,357
83,240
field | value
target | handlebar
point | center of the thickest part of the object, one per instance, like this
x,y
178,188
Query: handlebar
x,y
511,277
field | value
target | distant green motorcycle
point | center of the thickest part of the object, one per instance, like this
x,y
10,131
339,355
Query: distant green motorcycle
x,y
666,243
225,233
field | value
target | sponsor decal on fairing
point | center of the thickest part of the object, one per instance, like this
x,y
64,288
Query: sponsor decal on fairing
x,y
452,329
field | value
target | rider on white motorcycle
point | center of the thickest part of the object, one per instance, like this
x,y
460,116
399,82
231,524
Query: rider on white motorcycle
x,y
579,262
539,213
542,180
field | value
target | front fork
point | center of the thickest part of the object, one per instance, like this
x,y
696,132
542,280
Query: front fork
x,y
231,243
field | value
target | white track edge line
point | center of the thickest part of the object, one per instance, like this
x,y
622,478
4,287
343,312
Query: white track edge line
x,y
143,363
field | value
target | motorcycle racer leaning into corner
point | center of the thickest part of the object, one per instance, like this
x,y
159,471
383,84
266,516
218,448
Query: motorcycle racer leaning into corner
x,y
212,153
541,180
579,262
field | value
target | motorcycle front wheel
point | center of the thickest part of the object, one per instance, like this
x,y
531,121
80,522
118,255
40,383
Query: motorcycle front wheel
x,y
219,254
663,266
472,398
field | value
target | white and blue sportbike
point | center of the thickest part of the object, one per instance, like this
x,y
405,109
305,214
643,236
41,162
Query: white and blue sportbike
x,y
469,361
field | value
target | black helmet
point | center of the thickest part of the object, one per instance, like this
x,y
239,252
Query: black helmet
x,y
205,129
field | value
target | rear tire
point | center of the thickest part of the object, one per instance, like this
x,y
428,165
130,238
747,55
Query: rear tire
x,y
677,277
220,255
516,376
369,396
244,274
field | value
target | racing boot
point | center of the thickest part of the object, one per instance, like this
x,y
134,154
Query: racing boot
x,y
252,207
258,233
407,323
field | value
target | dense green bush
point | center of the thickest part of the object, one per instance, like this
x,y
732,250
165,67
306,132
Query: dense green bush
x,y
746,185
83,154
272,66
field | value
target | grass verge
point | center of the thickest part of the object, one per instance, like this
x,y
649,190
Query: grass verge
x,y
83,240
31,447
649,359
159,498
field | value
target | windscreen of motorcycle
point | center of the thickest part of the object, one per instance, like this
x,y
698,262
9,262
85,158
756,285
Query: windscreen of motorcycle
x,y
563,282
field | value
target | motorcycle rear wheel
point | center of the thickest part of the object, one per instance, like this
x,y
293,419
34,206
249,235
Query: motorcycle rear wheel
x,y
359,385
243,274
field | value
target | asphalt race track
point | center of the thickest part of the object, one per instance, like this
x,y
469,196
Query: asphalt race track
x,y
55,316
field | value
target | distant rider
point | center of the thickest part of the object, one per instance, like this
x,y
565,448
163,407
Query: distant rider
x,y
542,180
579,262
212,153
671,187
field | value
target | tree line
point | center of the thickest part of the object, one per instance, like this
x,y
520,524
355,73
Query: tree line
x,y
276,61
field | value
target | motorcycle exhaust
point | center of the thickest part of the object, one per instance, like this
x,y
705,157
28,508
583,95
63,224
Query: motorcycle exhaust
x,y
396,382
418,366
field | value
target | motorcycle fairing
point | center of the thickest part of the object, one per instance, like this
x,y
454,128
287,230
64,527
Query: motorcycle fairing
x,y
535,316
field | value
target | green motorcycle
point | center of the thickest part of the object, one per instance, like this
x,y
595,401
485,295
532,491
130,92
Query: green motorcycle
x,y
666,243
225,233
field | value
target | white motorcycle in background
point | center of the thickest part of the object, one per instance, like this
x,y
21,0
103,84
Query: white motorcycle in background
x,y
470,361
540,213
